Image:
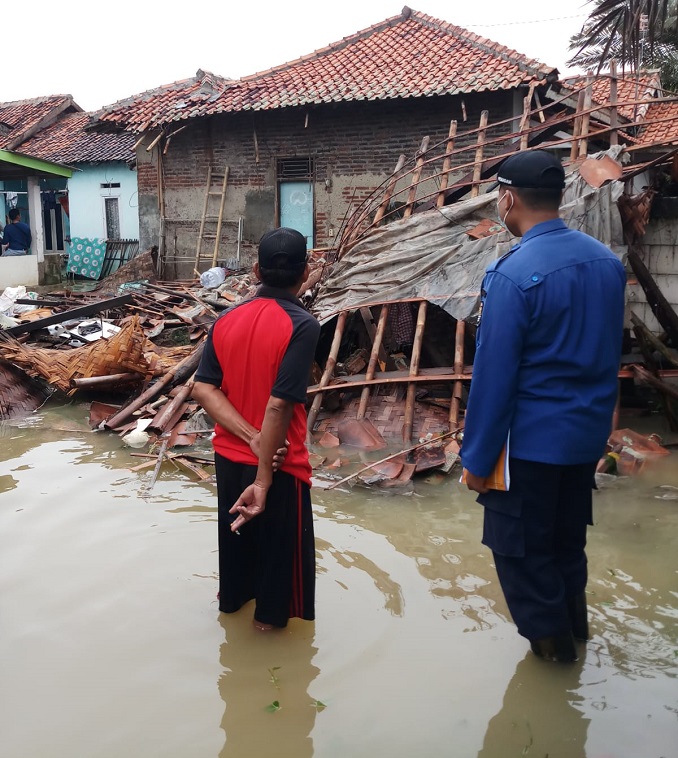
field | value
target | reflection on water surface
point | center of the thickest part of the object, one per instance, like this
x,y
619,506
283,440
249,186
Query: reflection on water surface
x,y
111,643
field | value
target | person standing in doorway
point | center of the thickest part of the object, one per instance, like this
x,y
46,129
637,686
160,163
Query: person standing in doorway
x,y
16,239
545,385
252,381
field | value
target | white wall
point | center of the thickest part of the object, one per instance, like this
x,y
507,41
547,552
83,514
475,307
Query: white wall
x,y
86,200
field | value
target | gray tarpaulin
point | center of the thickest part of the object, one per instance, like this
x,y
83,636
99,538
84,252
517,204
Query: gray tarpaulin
x,y
430,255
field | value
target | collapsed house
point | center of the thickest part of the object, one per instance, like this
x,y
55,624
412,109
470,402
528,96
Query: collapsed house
x,y
396,282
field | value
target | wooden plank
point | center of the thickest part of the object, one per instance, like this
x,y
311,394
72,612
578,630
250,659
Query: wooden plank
x,y
478,162
388,193
416,175
586,117
374,356
329,369
455,403
368,320
81,312
221,218
614,119
408,424
447,164
198,246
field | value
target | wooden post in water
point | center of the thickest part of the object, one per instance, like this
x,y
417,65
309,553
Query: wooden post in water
x,y
455,403
329,369
374,357
414,370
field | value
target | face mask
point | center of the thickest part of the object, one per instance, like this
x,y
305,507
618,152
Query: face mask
x,y
502,221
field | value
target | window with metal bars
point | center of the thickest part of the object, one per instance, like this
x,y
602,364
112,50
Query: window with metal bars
x,y
295,168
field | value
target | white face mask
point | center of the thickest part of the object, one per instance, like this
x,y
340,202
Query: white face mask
x,y
502,221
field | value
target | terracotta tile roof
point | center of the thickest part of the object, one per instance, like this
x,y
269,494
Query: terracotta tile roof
x,y
409,55
627,90
21,117
69,141
664,129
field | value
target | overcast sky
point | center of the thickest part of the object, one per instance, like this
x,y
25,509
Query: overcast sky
x,y
100,56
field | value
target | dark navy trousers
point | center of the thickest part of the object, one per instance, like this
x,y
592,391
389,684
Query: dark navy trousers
x,y
537,534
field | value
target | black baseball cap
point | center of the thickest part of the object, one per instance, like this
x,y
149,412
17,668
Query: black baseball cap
x,y
534,169
282,248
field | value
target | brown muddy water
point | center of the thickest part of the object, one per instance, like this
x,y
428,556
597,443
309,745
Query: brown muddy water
x,y
111,642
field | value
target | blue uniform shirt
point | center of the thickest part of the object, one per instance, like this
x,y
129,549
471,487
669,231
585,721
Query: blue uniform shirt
x,y
17,235
548,349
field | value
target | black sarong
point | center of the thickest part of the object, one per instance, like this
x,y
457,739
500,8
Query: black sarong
x,y
273,558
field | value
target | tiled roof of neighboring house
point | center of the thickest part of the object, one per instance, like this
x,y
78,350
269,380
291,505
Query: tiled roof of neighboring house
x,y
664,127
409,55
629,90
69,141
22,118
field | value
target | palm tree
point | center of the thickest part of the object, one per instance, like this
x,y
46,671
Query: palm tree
x,y
637,33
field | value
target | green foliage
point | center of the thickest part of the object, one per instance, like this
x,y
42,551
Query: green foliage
x,y
639,34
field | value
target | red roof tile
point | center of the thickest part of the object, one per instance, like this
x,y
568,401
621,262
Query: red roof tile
x,y
629,90
410,55
69,141
664,126
21,117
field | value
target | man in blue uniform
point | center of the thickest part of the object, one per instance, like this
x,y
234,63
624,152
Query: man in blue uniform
x,y
545,383
16,239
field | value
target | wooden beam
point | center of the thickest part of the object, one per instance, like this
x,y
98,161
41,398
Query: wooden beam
x,y
81,312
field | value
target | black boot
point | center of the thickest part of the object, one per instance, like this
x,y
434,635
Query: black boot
x,y
578,613
559,648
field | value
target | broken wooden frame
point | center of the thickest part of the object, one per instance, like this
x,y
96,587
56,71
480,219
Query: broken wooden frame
x,y
464,161
376,377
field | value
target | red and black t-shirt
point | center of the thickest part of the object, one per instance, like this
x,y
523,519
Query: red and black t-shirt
x,y
261,348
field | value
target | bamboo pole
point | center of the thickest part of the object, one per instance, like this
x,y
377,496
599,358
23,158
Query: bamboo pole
x,y
414,370
388,192
455,403
374,358
329,369
478,163
393,455
163,417
177,373
412,195
110,380
447,164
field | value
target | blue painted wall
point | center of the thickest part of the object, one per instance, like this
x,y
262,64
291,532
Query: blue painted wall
x,y
86,200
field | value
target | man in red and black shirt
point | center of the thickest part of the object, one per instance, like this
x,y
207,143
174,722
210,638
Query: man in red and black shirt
x,y
252,381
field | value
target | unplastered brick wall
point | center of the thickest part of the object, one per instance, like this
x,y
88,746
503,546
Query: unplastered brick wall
x,y
354,148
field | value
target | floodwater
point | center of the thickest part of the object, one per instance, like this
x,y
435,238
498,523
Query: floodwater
x,y
111,643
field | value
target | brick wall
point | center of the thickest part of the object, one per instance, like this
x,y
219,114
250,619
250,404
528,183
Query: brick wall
x,y
354,146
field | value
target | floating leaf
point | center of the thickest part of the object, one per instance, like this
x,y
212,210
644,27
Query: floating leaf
x,y
318,705
274,706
